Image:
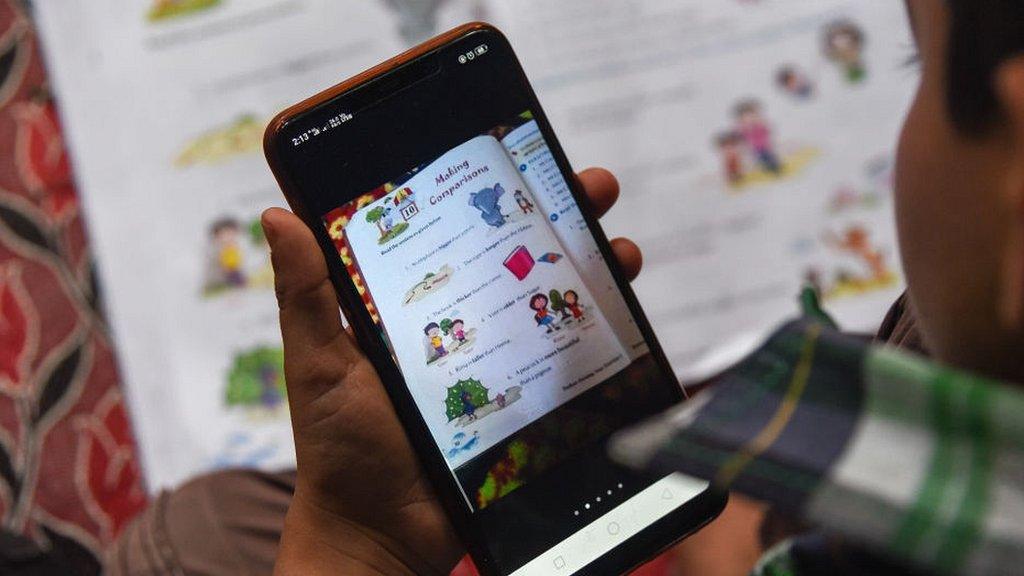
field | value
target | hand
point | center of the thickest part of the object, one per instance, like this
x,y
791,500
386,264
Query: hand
x,y
362,503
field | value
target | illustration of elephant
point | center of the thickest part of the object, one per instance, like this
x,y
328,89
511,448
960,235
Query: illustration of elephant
x,y
486,201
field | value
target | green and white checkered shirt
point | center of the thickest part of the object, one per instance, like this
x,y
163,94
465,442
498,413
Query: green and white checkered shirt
x,y
916,462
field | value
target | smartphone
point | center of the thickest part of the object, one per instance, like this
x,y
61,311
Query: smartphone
x,y
478,282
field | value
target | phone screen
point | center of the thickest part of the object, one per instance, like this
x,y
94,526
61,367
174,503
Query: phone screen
x,y
452,218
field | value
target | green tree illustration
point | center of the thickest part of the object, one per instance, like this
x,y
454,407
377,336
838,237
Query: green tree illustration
x,y
256,376
556,302
256,232
374,217
478,396
446,325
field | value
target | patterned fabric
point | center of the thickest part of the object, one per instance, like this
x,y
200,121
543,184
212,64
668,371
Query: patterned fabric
x,y
916,462
69,474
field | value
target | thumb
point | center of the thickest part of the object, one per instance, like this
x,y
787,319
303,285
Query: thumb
x,y
318,350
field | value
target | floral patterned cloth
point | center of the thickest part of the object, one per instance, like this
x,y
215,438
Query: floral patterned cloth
x,y
69,471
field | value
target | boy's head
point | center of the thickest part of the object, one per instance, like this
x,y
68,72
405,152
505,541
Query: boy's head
x,y
787,77
844,41
225,230
748,111
539,302
432,329
960,183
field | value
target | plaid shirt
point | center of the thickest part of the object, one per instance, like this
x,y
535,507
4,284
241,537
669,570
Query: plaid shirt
x,y
917,465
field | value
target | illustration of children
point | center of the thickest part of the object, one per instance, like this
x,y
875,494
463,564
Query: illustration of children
x,y
730,144
572,302
794,82
844,44
458,331
758,136
543,316
856,241
435,343
524,204
227,256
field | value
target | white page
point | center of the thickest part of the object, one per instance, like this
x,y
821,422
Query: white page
x,y
164,117
643,87
165,120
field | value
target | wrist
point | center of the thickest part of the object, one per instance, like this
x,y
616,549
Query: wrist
x,y
319,541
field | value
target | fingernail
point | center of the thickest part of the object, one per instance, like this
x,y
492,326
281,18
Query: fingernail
x,y
268,229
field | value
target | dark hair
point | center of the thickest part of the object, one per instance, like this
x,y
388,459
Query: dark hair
x,y
729,138
983,34
745,106
458,321
431,326
223,224
537,297
785,75
842,28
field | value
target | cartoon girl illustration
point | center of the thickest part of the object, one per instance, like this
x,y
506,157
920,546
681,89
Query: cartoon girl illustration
x,y
458,330
758,135
730,144
539,304
436,345
524,204
572,303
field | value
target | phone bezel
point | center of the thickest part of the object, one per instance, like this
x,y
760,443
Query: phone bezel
x,y
681,522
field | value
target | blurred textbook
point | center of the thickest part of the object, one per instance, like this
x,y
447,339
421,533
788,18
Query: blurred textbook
x,y
753,140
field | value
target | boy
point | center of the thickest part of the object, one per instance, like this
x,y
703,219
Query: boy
x,y
844,45
436,345
959,209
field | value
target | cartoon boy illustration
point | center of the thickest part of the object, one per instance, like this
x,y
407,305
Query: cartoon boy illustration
x,y
458,330
572,303
543,316
730,144
524,204
844,44
228,259
433,334
757,134
468,408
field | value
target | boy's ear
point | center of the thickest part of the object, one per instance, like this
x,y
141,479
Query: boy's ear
x,y
1009,88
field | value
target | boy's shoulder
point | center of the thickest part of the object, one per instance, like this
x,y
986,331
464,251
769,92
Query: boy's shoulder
x,y
865,441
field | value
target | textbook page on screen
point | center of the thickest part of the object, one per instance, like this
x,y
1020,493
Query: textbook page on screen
x,y
753,140
485,308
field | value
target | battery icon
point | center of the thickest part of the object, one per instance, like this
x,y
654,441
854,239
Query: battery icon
x,y
481,49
